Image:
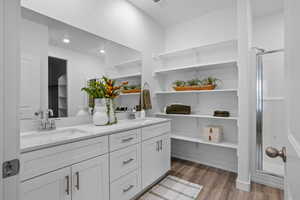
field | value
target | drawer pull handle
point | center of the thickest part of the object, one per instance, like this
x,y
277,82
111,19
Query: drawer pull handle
x,y
127,189
125,162
77,180
127,139
68,185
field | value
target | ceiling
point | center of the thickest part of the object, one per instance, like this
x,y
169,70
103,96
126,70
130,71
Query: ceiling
x,y
171,12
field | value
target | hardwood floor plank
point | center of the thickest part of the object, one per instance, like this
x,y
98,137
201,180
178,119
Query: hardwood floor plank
x,y
219,184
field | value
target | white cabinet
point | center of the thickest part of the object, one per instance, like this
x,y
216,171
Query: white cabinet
x,y
156,159
86,180
53,186
90,179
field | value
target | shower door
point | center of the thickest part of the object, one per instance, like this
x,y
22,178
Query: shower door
x,y
271,117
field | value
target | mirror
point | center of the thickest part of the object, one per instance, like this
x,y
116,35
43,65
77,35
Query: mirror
x,y
58,60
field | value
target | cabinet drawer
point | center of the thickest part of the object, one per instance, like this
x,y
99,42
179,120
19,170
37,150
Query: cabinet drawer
x,y
126,187
124,161
155,130
124,139
46,160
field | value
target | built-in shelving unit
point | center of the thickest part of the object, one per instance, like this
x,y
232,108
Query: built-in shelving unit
x,y
217,60
179,136
129,63
202,66
196,116
196,91
197,48
133,75
130,94
129,70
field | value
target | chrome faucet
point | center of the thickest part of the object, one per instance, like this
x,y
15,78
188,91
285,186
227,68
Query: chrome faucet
x,y
45,122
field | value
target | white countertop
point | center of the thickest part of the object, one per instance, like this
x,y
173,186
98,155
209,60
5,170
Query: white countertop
x,y
35,140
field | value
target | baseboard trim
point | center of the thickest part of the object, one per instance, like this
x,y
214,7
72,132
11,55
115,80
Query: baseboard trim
x,y
203,163
268,180
243,185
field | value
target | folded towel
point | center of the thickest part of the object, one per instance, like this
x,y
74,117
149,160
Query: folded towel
x,y
145,99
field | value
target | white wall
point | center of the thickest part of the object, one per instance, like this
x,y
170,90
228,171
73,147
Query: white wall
x,y
219,25
80,67
268,31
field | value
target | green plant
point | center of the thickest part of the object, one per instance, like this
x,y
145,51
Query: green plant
x,y
179,83
194,82
94,89
210,81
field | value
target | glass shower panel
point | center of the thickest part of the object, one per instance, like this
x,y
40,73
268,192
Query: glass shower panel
x,y
273,115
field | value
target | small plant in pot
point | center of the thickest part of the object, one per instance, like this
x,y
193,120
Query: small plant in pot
x,y
179,83
210,82
131,89
194,82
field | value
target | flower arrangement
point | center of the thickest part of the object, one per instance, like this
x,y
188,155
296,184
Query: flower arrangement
x,y
107,89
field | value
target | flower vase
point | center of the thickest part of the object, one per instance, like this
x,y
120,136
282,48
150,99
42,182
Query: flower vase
x,y
111,111
99,116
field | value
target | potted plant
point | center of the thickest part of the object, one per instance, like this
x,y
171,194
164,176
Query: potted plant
x,y
131,89
210,83
94,92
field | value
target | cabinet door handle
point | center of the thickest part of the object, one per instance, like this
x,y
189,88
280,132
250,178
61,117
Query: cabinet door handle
x,y
157,146
68,185
125,162
127,139
127,189
77,181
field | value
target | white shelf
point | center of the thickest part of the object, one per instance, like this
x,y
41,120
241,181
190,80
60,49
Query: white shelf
x,y
196,116
130,94
203,66
195,91
129,63
201,141
134,75
182,51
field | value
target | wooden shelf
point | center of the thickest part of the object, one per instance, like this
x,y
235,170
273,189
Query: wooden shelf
x,y
129,63
196,116
203,66
201,141
213,45
195,91
135,75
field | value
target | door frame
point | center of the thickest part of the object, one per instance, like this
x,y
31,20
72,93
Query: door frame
x,y
9,92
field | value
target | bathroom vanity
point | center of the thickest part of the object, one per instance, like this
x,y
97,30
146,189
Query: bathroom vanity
x,y
87,162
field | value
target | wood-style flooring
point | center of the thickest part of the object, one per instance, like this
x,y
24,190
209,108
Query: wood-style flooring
x,y
219,184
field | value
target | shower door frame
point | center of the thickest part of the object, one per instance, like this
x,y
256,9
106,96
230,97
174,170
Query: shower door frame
x,y
259,111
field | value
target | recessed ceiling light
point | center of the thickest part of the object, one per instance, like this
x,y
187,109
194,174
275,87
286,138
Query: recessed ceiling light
x,y
66,40
102,51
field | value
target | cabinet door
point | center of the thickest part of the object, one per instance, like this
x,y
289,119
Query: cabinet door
x,y
155,159
53,186
90,179
165,154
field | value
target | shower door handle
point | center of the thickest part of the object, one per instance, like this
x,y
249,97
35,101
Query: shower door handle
x,y
273,153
